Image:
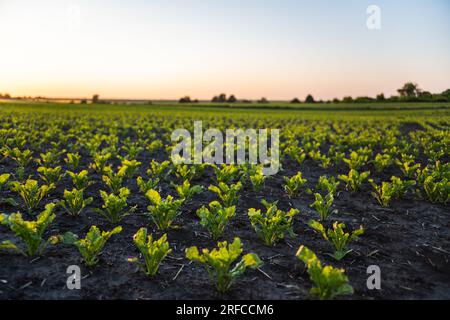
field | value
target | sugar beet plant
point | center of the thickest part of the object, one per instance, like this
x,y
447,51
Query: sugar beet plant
x,y
30,232
73,160
3,182
100,164
323,205
128,168
294,185
80,180
328,185
186,192
219,262
22,158
257,180
92,245
354,179
186,172
153,251
114,205
408,167
228,194
50,175
145,186
74,201
159,170
215,218
227,174
329,282
382,161
31,193
254,174
162,211
273,224
356,160
337,236
114,181
387,191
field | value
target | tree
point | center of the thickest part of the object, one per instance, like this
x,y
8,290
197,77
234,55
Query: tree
x,y
95,98
295,100
263,100
394,98
309,99
446,94
347,99
363,99
185,99
336,100
220,98
380,97
425,95
232,99
409,90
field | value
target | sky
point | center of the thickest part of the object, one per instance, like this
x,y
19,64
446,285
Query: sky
x,y
165,49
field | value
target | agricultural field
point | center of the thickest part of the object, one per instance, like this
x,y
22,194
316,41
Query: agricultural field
x,y
94,186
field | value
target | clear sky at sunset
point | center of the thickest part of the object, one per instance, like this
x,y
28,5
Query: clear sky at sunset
x,y
279,49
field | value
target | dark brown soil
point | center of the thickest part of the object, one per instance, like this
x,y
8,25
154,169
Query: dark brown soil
x,y
410,243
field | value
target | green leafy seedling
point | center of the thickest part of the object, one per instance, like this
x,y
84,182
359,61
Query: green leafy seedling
x,y
80,180
215,218
162,212
30,232
186,192
294,185
338,238
272,224
91,246
329,282
322,205
31,193
145,186
153,251
73,160
219,262
50,175
74,202
129,168
228,194
354,179
114,205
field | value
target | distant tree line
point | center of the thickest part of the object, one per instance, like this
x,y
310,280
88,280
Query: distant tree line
x,y
5,96
187,99
409,92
